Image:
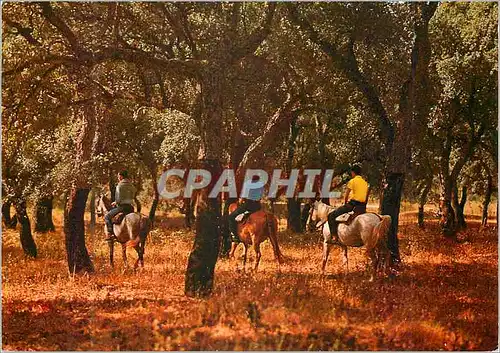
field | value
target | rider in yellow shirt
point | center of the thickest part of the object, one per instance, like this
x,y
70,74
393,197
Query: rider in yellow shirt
x,y
356,195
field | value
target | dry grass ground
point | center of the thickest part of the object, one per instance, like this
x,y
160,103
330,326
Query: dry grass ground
x,y
444,299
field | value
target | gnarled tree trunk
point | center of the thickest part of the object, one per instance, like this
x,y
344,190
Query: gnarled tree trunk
x,y
458,206
156,194
27,241
199,278
43,219
8,220
74,229
92,212
422,201
487,199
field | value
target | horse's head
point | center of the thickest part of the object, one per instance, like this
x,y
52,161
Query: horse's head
x,y
314,215
102,205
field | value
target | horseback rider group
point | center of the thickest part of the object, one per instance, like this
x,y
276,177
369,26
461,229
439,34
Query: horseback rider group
x,y
356,197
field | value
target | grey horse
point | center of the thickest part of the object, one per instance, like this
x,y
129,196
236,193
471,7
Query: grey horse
x,y
368,229
131,232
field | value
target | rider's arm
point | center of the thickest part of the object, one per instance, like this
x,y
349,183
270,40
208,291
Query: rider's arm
x,y
348,191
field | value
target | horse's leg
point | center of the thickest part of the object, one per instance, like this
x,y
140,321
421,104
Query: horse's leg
x,y
141,256
256,247
346,259
371,253
326,251
138,250
124,254
111,245
245,251
233,249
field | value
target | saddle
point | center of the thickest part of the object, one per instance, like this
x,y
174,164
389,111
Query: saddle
x,y
243,217
118,218
349,217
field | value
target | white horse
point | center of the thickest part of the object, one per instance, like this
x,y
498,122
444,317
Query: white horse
x,y
368,229
131,232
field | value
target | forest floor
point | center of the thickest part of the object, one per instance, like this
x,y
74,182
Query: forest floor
x,y
446,297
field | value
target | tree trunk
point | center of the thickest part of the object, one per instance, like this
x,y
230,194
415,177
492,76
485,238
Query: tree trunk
x,y
74,229
87,145
305,215
293,204
226,236
422,201
448,223
390,205
294,218
487,199
27,241
199,278
43,219
461,206
458,207
9,221
112,185
138,205
156,197
92,212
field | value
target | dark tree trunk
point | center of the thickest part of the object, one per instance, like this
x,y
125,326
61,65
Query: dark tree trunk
x,y
112,185
156,197
43,221
461,206
294,218
138,205
448,223
27,241
74,229
458,207
487,199
92,212
305,215
199,278
9,221
226,236
422,201
293,204
390,205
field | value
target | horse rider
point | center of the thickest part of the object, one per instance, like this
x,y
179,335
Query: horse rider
x,y
249,204
356,195
124,196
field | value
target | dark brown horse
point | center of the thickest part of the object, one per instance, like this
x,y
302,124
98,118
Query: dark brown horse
x,y
254,230
131,232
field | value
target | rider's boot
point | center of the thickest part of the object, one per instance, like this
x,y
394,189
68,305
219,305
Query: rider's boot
x,y
109,237
334,238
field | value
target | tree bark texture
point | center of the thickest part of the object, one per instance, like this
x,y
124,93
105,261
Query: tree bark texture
x,y
43,213
199,278
74,229
27,241
487,199
390,205
9,221
422,201
156,195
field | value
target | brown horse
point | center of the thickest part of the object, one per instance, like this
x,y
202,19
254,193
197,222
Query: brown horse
x,y
254,230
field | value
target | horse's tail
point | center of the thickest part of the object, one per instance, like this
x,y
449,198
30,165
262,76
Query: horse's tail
x,y
381,231
272,227
144,228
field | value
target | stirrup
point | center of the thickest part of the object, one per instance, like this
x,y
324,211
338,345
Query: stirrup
x,y
110,238
333,240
